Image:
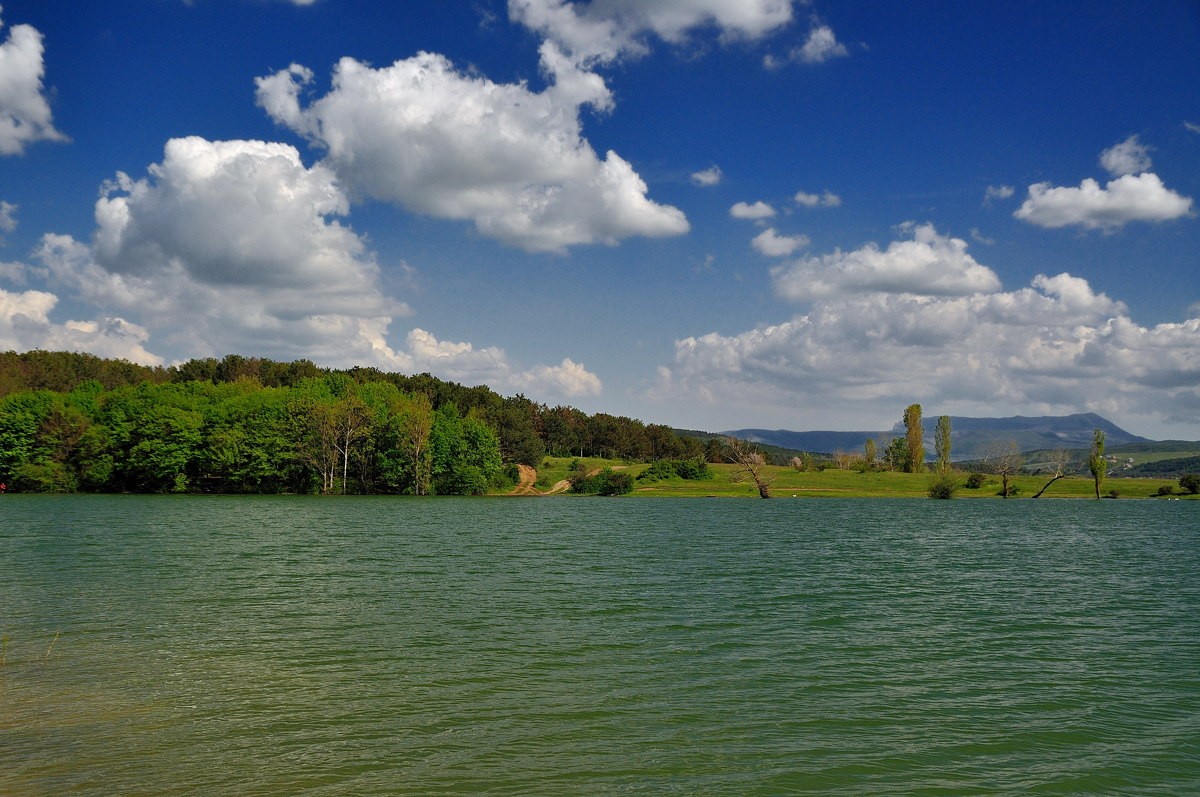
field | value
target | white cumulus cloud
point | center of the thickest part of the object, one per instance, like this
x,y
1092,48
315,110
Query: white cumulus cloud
x,y
25,324
433,140
1132,197
1128,157
1054,347
772,244
752,212
8,218
821,45
602,31
826,199
463,362
237,246
997,192
25,115
928,264
707,177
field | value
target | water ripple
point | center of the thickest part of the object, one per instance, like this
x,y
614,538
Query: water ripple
x,y
272,646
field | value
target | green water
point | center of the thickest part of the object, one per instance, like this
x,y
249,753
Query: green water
x,y
282,646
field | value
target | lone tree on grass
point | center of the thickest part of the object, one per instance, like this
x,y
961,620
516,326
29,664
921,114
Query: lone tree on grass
x,y
1097,464
914,438
941,442
751,464
943,485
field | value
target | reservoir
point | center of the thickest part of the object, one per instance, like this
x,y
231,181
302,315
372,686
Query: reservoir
x,y
206,645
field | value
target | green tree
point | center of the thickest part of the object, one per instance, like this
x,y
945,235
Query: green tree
x,y
914,438
1097,464
941,442
896,455
1190,483
869,453
21,418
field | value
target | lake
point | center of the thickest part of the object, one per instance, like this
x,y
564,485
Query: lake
x,y
192,645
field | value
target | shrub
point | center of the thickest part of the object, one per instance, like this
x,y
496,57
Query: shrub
x,y
691,469
1113,494
606,482
1190,483
662,469
974,481
943,487
1166,489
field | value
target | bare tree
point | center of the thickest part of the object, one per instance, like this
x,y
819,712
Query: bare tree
x,y
751,464
1059,466
1003,457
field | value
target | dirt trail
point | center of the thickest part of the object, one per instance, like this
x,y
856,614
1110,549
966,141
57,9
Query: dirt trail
x,y
527,483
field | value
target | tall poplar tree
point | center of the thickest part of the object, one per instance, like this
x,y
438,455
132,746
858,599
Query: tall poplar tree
x,y
914,438
941,441
1097,464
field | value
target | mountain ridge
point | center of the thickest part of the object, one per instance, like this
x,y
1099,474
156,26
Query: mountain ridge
x,y
969,436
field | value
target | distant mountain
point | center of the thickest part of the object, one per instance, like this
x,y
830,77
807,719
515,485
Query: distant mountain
x,y
970,437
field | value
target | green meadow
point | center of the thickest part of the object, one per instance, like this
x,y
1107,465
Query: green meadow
x,y
787,482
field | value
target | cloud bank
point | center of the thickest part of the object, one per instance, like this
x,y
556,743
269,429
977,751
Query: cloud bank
x,y
922,321
237,246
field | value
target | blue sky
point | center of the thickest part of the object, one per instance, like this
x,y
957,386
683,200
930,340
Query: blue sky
x,y
707,213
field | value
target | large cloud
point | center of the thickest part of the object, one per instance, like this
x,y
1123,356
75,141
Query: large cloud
x,y
858,356
236,246
241,240
433,140
929,264
24,113
601,31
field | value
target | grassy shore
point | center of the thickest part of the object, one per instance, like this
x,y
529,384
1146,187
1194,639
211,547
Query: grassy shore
x,y
790,483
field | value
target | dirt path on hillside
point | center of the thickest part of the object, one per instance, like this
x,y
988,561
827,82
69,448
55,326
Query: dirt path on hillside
x,y
525,482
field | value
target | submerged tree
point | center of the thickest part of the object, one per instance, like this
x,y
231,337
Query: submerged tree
x,y
751,464
914,438
1059,464
1097,464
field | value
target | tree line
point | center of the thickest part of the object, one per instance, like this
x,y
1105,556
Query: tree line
x,y
240,424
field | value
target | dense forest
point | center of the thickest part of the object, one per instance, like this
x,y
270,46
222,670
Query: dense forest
x,y
77,422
